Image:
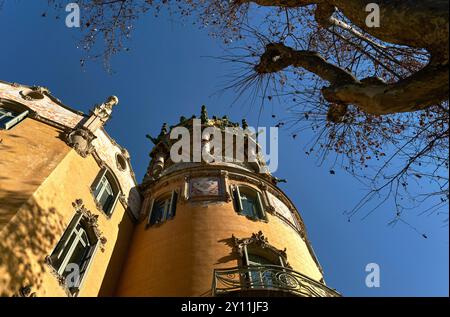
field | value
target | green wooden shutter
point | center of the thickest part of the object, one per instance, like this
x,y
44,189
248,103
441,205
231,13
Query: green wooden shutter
x,y
152,202
260,205
173,204
238,200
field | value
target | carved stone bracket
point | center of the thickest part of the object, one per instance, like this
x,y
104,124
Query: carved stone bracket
x,y
81,141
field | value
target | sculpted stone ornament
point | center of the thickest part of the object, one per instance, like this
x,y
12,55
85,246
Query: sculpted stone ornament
x,y
81,138
92,220
257,240
34,93
25,291
100,114
81,141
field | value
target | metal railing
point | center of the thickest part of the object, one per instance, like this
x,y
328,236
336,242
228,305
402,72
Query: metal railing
x,y
269,278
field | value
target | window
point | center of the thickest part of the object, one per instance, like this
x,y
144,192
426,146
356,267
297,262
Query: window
x,y
8,118
263,269
75,248
106,191
162,209
248,202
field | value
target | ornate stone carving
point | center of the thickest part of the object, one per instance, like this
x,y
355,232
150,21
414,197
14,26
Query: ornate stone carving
x,y
81,138
25,291
92,221
34,93
81,141
104,110
257,240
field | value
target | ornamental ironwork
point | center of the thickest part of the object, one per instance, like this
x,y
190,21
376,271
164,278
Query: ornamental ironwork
x,y
271,278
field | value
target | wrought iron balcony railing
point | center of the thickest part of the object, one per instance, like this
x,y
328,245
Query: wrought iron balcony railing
x,y
267,278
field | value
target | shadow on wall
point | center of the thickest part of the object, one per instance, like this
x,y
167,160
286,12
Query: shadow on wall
x,y
24,243
12,200
10,203
232,256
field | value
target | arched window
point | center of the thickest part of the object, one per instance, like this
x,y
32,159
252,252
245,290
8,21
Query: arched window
x,y
106,191
162,209
261,262
73,253
248,202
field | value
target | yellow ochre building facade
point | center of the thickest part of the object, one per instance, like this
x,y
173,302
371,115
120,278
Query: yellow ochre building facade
x,y
74,221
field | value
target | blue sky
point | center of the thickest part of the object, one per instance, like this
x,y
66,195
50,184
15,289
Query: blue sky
x,y
165,76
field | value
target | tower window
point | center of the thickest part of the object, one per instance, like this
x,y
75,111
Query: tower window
x,y
260,276
248,202
264,267
162,209
8,118
74,252
106,191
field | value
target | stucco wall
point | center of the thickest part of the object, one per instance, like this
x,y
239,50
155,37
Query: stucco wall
x,y
37,227
29,152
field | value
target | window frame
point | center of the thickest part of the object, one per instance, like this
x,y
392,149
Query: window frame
x,y
106,174
247,263
15,116
237,198
169,211
92,239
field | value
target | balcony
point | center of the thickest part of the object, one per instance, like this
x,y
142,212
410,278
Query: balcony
x,y
267,280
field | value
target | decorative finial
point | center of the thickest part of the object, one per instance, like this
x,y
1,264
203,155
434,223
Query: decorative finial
x,y
163,130
244,124
182,119
112,100
204,115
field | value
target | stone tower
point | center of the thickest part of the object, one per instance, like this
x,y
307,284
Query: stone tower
x,y
214,228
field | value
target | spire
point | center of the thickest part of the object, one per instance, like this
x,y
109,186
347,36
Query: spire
x,y
163,132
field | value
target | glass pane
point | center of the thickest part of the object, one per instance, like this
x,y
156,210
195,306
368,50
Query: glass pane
x,y
4,121
249,205
263,277
105,200
108,187
259,260
61,250
98,188
158,212
77,256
